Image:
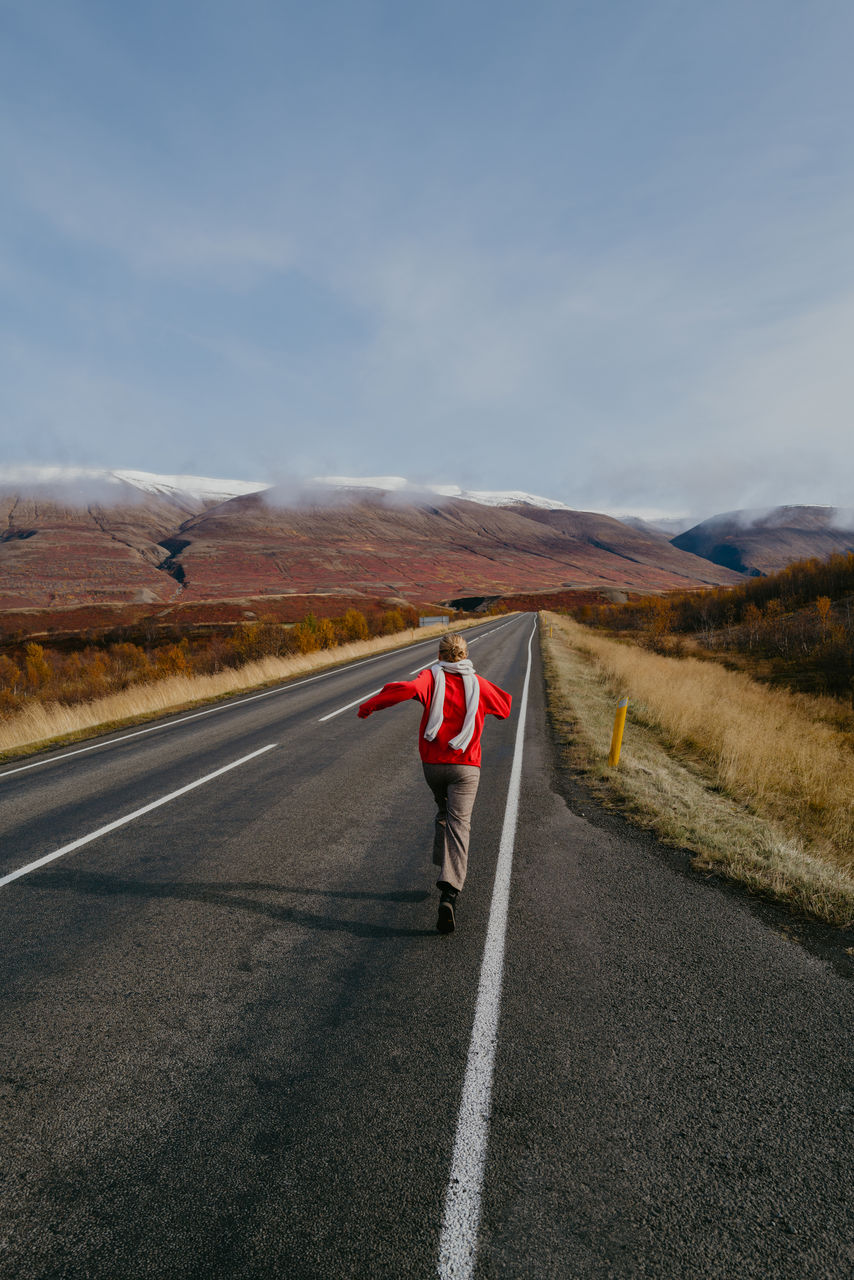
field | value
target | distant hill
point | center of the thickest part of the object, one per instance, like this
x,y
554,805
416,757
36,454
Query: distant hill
x,y
130,538
76,538
639,544
57,550
759,542
663,526
437,549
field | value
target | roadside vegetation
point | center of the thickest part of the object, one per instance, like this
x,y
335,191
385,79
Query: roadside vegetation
x,y
47,695
40,673
756,780
792,628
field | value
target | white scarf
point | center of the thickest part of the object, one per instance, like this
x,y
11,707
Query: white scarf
x,y
437,706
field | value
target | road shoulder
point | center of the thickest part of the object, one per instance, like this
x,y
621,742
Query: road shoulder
x,y
660,796
672,1081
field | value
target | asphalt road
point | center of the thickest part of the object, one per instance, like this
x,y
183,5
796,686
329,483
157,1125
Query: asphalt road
x,y
233,1044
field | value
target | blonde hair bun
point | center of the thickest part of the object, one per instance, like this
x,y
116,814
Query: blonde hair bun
x,y
452,647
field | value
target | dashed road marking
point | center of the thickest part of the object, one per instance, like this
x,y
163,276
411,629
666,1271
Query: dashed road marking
x,y
223,706
129,817
341,710
423,667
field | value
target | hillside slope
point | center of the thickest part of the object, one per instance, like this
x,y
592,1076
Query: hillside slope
x,y
765,542
432,550
640,546
66,552
65,547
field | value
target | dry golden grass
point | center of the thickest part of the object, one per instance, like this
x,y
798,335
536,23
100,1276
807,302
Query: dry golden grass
x,y
38,724
748,777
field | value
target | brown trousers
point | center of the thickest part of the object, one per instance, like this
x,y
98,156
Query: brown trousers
x,y
454,787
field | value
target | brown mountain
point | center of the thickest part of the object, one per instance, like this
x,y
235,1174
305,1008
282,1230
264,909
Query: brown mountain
x,y
67,550
427,549
62,549
643,547
765,542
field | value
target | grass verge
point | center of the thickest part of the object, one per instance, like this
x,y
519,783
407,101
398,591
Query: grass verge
x,y
742,775
52,724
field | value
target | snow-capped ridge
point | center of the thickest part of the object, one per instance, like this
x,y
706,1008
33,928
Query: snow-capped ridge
x,y
198,488
486,497
205,489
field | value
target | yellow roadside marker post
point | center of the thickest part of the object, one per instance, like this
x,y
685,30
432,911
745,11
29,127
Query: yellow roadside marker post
x,y
617,735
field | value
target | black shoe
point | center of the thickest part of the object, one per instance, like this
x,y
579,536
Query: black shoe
x,y
446,922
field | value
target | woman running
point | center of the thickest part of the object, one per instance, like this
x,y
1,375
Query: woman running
x,y
456,701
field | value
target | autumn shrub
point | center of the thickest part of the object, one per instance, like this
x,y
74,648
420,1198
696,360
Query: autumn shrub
x,y
172,661
37,720
11,679
217,655
35,673
305,635
800,622
354,625
38,669
265,638
129,663
392,621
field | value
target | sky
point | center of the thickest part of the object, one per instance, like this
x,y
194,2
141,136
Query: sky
x,y
601,251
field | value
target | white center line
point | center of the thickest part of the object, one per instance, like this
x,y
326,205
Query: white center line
x,y
474,640
341,710
458,1241
129,817
423,667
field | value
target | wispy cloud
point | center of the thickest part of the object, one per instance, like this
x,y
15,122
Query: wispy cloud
x,y
604,260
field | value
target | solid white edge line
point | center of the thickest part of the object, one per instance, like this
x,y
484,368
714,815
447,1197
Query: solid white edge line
x,y
223,706
129,817
458,1241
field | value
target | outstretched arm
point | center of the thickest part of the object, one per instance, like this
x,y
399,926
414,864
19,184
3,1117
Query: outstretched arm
x,y
495,701
397,691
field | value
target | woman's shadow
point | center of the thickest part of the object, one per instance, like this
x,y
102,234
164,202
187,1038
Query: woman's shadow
x,y
237,894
